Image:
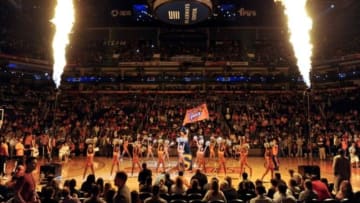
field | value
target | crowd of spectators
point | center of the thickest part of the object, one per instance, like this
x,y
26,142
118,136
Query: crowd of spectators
x,y
300,188
333,117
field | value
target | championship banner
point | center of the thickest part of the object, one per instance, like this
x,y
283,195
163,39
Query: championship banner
x,y
196,114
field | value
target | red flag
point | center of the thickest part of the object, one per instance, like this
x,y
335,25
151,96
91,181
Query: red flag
x,y
198,113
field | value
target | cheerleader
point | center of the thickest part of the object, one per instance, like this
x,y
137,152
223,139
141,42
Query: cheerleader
x,y
244,152
149,151
116,157
135,159
126,149
269,164
275,154
166,151
200,158
354,159
64,152
181,160
161,157
221,157
212,150
89,160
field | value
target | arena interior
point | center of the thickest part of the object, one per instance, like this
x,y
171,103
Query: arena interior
x,y
139,77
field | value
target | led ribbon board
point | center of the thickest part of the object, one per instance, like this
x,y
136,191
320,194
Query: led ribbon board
x,y
182,12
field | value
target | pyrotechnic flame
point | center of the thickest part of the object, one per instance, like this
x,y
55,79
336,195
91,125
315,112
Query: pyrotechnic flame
x,y
299,26
63,20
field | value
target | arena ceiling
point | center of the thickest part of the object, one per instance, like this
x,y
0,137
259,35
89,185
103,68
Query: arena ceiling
x,y
330,16
95,13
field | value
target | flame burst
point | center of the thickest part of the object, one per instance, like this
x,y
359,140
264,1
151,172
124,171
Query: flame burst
x,y
63,20
299,26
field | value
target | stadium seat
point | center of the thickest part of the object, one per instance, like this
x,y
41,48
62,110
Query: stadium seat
x,y
144,195
236,201
165,196
178,196
345,200
196,201
193,196
216,201
178,201
330,200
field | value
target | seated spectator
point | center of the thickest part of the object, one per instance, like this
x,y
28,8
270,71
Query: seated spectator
x,y
308,194
144,174
185,181
258,182
320,188
94,195
19,172
345,191
297,176
135,197
278,178
294,188
72,187
229,192
246,186
178,187
100,184
48,195
67,198
155,198
168,181
229,180
214,193
194,187
109,192
86,186
54,184
201,177
147,187
272,189
260,195
283,196
162,186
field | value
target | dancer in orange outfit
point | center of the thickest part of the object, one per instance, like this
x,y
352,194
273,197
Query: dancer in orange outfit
x,y
269,163
200,158
126,148
149,151
135,159
212,150
89,160
221,157
244,152
161,157
181,159
166,150
116,157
